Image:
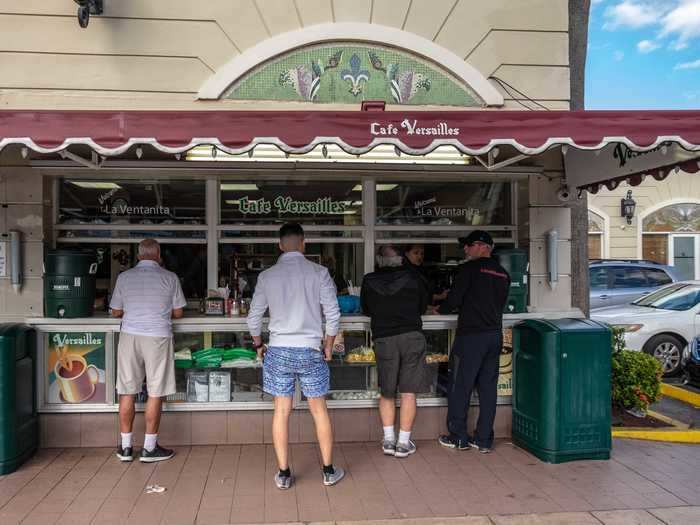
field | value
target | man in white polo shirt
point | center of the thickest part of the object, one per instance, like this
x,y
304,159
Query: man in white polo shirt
x,y
297,293
146,297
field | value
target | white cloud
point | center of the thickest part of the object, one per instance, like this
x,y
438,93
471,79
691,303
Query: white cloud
x,y
633,14
678,46
683,21
647,46
618,55
688,65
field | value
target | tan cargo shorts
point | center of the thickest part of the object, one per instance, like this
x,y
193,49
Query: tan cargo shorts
x,y
143,356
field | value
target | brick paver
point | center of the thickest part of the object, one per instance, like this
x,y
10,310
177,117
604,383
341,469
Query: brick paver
x,y
644,482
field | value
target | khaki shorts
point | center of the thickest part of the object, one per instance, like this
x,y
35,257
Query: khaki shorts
x,y
142,356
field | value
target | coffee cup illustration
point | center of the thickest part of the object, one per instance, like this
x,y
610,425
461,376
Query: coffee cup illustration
x,y
76,379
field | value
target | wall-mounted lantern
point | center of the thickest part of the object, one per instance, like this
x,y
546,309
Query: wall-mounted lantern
x,y
627,206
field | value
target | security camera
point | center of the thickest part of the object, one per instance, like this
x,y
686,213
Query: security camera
x,y
83,16
564,194
87,8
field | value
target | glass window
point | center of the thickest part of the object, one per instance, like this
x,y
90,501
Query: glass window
x,y
214,367
598,278
131,201
306,201
657,277
672,297
595,223
443,203
187,261
242,263
655,248
595,246
628,278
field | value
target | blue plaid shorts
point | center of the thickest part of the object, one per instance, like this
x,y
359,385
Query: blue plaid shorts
x,y
283,365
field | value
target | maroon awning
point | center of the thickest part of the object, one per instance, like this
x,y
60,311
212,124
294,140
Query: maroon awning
x,y
419,132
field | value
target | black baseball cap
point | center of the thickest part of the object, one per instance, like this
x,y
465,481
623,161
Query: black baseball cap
x,y
476,236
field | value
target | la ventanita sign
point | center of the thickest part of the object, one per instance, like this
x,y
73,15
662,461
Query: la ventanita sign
x,y
410,127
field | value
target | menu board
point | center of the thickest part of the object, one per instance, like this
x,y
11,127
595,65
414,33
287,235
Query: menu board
x,y
75,368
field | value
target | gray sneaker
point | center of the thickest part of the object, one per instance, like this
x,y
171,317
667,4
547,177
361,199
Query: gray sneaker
x,y
332,479
283,482
405,450
388,447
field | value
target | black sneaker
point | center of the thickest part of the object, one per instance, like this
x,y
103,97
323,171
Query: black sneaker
x,y
452,441
157,454
125,454
283,482
482,450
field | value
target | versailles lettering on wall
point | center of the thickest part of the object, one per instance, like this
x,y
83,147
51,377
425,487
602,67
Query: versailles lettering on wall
x,y
412,127
321,206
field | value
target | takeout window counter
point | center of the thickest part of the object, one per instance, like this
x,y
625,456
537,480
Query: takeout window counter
x,y
216,371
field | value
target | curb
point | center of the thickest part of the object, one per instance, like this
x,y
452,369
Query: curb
x,y
679,433
681,394
671,436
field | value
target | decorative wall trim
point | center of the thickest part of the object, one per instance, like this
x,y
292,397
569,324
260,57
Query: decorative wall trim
x,y
350,31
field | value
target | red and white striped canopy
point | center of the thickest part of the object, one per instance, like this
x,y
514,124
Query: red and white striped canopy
x,y
476,133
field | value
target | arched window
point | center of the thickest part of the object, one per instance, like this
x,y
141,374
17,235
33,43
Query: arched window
x,y
671,235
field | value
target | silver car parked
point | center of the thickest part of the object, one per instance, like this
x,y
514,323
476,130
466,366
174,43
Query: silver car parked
x,y
621,281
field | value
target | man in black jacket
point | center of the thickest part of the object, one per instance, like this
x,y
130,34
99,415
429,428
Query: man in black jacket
x,y
479,293
395,297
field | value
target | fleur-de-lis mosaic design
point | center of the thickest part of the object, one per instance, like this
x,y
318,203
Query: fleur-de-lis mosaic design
x,y
355,76
305,82
403,85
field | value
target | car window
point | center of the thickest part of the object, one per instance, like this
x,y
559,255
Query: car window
x,y
657,277
598,278
672,297
628,278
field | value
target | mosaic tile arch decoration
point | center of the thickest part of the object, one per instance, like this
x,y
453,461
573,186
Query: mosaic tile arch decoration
x,y
348,73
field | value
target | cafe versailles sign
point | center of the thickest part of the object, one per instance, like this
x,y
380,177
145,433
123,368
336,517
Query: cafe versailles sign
x,y
321,206
413,127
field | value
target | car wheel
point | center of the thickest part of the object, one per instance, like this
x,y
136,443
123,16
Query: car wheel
x,y
667,350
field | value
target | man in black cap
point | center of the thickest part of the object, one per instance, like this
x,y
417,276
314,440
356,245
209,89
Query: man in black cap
x,y
479,293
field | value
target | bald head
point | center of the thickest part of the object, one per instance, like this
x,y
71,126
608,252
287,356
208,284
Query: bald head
x,y
388,255
149,250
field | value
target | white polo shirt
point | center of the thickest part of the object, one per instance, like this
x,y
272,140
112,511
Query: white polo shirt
x,y
296,291
148,294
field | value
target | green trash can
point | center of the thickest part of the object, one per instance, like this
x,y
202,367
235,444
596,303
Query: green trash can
x,y
561,389
19,422
69,283
515,263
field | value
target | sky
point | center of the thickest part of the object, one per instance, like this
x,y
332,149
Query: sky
x,y
643,54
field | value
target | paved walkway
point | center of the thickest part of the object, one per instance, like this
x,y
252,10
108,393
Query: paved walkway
x,y
233,484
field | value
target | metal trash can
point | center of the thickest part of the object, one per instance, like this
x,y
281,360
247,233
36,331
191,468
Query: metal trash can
x,y
561,389
70,283
514,261
19,422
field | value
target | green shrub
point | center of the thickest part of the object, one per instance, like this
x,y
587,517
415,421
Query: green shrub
x,y
618,339
636,379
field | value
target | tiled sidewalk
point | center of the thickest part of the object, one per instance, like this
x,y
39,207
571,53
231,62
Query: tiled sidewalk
x,y
233,484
